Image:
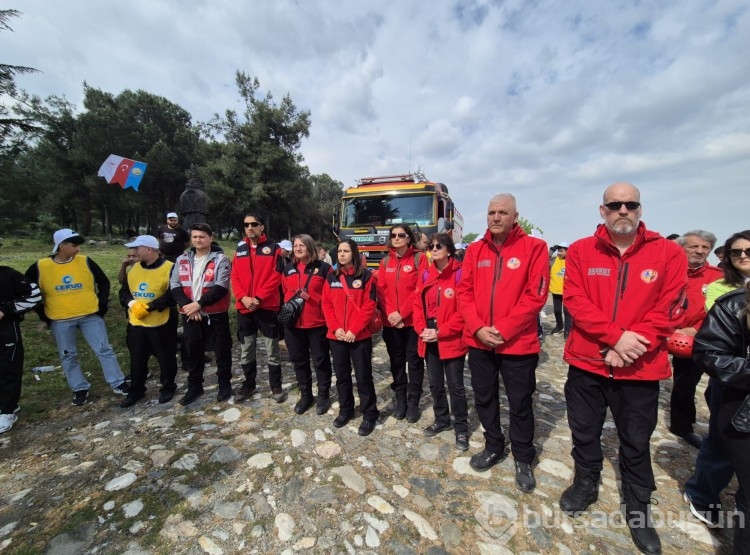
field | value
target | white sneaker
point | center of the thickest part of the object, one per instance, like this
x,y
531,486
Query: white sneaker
x,y
7,421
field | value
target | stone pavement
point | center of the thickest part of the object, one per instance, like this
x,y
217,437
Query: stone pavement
x,y
221,478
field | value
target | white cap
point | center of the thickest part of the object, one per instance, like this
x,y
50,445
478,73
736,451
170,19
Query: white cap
x,y
286,244
144,241
171,215
562,245
62,235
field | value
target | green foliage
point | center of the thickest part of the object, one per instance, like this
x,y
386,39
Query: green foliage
x,y
469,237
527,226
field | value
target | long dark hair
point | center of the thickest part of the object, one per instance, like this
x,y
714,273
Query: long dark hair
x,y
356,259
732,276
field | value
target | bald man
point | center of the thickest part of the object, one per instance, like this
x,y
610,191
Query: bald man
x,y
625,290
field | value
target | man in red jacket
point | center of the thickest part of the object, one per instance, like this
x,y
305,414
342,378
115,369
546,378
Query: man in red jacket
x,y
625,290
698,245
502,289
256,284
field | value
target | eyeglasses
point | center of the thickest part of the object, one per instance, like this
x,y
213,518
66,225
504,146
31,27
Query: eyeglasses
x,y
736,253
617,205
251,224
399,235
436,246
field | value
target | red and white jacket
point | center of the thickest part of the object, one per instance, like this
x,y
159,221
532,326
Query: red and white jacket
x,y
350,310
436,298
214,282
698,280
642,290
294,278
504,286
256,272
397,282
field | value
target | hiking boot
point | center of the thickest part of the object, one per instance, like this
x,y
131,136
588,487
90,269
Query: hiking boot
x,y
341,420
225,392
278,394
244,392
80,397
322,405
636,508
131,400
166,396
435,428
486,460
122,389
525,477
583,492
192,394
412,410
462,441
366,427
304,403
399,410
556,329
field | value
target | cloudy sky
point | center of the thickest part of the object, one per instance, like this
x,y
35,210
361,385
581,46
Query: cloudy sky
x,y
550,100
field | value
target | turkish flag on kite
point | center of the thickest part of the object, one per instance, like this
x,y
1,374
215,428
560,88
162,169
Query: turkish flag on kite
x,y
126,172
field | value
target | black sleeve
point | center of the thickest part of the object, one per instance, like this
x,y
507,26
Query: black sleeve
x,y
716,348
33,274
102,286
179,296
213,295
125,295
160,303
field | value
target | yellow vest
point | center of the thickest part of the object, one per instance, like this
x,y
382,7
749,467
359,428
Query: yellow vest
x,y
557,276
145,285
68,290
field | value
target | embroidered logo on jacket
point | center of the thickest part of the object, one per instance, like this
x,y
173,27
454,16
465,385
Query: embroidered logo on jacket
x,y
357,283
408,269
484,263
449,293
604,272
513,263
649,276
266,250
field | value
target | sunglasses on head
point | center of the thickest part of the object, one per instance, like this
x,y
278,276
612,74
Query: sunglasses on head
x,y
615,206
251,224
399,235
736,253
436,246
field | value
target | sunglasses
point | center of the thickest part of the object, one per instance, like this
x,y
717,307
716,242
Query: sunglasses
x,y
617,205
399,235
251,224
736,253
436,246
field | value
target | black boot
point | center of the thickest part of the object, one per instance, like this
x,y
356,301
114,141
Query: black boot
x,y
278,393
412,409
583,492
324,401
399,410
306,400
636,507
248,387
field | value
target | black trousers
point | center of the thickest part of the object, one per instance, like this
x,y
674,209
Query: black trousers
x,y
682,403
161,341
303,343
451,371
560,309
519,379
633,404
11,365
360,354
401,344
210,332
737,446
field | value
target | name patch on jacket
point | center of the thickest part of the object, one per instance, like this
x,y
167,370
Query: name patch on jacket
x,y
604,272
337,284
484,263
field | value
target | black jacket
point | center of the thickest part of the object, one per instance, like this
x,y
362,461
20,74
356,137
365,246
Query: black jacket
x,y
722,349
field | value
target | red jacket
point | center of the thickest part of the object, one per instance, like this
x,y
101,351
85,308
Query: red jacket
x,y
642,290
294,278
256,272
698,280
438,289
505,287
352,310
397,282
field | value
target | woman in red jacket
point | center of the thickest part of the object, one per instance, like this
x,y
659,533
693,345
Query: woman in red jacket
x,y
397,281
440,326
306,337
349,304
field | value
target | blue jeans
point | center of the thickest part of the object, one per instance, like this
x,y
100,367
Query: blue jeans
x,y
94,331
713,469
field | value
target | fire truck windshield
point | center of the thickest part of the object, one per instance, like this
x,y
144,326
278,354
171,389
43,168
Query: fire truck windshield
x,y
382,210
